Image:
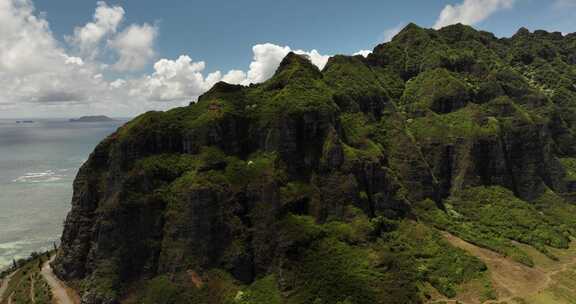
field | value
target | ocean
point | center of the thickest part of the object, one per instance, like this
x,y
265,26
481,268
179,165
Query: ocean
x,y
38,163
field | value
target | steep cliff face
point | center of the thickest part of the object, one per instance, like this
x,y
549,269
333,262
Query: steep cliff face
x,y
322,186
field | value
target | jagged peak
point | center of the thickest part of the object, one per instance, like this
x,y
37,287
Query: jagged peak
x,y
410,33
294,66
459,28
224,87
411,27
295,59
522,32
410,30
461,32
220,89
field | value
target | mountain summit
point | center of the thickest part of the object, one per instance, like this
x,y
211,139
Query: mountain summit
x,y
333,186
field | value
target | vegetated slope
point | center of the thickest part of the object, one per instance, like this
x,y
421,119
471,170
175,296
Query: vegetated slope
x,y
329,186
26,284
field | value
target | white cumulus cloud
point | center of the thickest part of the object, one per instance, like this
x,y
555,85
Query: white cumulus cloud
x,y
105,22
33,67
234,77
135,46
363,53
175,80
315,57
26,44
74,60
118,83
185,79
39,72
470,12
267,58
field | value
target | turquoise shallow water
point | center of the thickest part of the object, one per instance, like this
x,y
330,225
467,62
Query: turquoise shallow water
x,y
38,162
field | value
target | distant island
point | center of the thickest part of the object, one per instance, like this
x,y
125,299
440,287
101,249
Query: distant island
x,y
95,118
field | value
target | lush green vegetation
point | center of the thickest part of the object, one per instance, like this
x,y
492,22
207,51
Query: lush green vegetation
x,y
26,285
466,123
336,262
333,186
437,262
492,217
570,166
217,288
264,290
356,87
437,90
409,252
296,88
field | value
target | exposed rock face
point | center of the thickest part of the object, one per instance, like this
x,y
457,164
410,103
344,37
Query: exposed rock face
x,y
214,185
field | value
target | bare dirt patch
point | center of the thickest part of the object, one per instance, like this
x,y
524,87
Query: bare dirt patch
x,y
510,279
546,283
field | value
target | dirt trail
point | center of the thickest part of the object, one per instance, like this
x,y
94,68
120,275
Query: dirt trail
x,y
509,279
4,285
564,267
32,295
61,293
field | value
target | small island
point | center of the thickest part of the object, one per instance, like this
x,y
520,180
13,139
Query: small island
x,y
96,118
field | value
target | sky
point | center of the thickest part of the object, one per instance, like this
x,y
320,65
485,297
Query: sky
x,y
70,58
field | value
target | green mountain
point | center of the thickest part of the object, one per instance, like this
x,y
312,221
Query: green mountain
x,y
332,186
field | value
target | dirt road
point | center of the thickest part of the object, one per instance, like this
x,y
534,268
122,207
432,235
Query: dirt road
x,y
4,285
510,279
61,293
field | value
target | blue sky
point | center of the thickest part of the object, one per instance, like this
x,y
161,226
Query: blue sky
x,y
222,32
71,57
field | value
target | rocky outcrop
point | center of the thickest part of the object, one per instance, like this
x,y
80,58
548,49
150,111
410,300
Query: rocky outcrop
x,y
214,185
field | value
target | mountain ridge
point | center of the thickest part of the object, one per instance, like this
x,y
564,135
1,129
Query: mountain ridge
x,y
329,186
